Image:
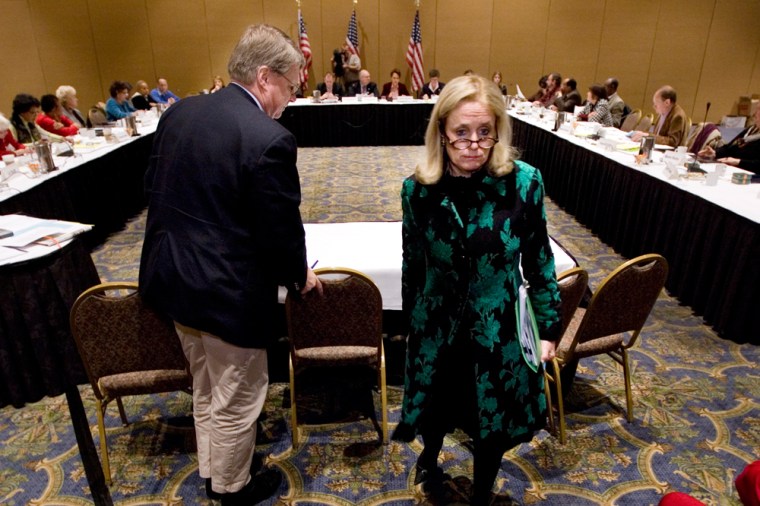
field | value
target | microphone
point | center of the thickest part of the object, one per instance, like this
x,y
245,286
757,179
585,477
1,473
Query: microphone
x,y
706,111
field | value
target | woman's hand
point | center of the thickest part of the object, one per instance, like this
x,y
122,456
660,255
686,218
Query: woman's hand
x,y
706,152
548,350
734,162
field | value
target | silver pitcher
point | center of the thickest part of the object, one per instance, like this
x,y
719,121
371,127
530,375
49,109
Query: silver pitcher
x,y
131,124
45,156
647,146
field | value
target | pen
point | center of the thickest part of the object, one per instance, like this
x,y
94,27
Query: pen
x,y
314,264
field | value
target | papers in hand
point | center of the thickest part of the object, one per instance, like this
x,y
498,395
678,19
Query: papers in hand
x,y
29,232
527,330
519,92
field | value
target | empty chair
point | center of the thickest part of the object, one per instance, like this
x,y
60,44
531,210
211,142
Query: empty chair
x,y
611,324
645,123
342,327
126,348
573,284
630,121
97,116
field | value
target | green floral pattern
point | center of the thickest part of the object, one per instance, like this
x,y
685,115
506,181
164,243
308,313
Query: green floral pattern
x,y
459,268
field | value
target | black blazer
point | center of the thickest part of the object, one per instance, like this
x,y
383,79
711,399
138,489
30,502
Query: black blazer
x,y
337,89
356,87
223,228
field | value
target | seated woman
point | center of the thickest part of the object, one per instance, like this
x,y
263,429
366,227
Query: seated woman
x,y
496,78
141,100
52,119
118,105
67,95
25,111
217,84
597,107
742,152
9,145
395,88
329,88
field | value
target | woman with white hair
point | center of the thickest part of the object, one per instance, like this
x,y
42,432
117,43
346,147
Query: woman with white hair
x,y
67,96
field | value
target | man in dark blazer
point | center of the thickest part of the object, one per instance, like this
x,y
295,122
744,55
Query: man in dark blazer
x,y
364,86
570,98
223,231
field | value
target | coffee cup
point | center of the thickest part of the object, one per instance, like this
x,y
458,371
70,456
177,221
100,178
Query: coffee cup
x,y
711,179
9,159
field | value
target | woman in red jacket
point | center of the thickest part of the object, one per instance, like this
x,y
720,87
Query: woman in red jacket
x,y
52,119
8,144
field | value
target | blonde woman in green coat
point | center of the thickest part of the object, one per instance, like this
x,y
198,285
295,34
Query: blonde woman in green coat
x,y
470,213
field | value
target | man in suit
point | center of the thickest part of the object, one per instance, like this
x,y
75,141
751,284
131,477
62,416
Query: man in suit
x,y
671,125
223,231
615,104
329,88
364,86
570,98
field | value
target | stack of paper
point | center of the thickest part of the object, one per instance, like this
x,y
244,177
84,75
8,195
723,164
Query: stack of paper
x,y
25,237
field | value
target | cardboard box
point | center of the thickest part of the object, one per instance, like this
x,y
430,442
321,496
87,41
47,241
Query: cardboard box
x,y
744,106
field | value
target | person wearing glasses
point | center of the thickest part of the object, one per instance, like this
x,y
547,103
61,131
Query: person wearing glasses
x,y
597,108
26,108
472,214
223,231
364,86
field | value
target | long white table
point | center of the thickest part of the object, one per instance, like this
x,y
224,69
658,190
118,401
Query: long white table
x,y
710,235
375,249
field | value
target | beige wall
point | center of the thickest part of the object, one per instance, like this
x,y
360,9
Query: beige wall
x,y
709,50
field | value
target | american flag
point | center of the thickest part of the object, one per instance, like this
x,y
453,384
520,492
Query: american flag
x,y
352,37
303,42
414,55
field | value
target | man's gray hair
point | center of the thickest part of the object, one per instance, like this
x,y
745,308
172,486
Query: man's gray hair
x,y
263,45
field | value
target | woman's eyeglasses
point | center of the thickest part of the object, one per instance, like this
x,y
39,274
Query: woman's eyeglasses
x,y
461,144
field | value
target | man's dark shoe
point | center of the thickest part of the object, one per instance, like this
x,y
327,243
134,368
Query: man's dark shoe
x,y
261,487
256,465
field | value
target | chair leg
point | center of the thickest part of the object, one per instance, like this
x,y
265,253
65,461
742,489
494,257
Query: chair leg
x,y
628,393
122,413
103,444
560,401
383,396
293,409
549,405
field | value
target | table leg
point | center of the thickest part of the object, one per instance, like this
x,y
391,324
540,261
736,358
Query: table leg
x,y
92,467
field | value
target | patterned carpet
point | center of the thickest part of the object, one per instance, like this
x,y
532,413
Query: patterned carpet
x,y
697,407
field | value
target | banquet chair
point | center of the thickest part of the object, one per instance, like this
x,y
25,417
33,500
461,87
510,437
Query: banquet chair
x,y
342,327
630,121
97,116
645,123
126,349
611,324
573,284
686,132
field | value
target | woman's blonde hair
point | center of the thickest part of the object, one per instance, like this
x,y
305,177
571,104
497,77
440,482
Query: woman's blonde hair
x,y
462,89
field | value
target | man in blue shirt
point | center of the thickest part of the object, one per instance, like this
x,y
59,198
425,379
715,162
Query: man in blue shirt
x,y
161,93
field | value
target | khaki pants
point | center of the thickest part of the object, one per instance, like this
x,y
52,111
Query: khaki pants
x,y
229,389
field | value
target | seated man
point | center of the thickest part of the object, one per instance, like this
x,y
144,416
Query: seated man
x,y
553,83
329,88
364,86
434,86
616,104
161,94
671,125
142,100
742,152
569,98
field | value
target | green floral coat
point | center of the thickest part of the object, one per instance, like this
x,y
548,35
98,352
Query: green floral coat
x,y
459,268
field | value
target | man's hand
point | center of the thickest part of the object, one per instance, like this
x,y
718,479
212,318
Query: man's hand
x,y
312,281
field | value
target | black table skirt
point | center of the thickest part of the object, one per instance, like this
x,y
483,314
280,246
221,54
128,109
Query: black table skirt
x,y
104,192
330,125
714,254
38,356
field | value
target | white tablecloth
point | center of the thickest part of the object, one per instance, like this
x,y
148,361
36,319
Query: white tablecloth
x,y
375,249
743,200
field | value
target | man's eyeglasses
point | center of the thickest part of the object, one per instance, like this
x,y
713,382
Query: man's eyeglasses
x,y
293,86
461,144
